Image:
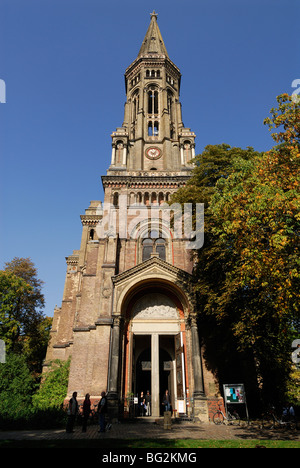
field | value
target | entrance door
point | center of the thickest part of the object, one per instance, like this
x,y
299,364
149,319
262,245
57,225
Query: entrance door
x,y
157,366
141,364
166,376
143,372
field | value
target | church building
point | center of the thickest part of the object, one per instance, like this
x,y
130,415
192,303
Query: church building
x,y
128,318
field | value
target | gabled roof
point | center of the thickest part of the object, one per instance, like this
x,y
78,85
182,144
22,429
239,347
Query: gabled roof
x,y
155,273
153,42
148,265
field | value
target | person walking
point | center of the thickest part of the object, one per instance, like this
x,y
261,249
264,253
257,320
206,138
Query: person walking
x,y
166,401
102,410
72,413
86,411
142,404
148,403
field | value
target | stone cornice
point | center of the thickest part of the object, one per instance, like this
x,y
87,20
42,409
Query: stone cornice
x,y
90,220
72,259
165,180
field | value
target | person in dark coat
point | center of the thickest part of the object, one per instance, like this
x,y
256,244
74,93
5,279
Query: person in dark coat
x,y
166,401
86,411
148,403
72,412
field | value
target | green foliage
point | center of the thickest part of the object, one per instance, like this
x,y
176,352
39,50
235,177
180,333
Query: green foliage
x,y
25,331
16,387
293,387
13,292
24,406
53,388
23,327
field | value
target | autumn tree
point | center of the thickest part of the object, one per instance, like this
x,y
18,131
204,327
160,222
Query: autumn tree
x,y
247,273
14,291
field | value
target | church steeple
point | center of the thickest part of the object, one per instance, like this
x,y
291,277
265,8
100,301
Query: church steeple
x,y
153,42
152,136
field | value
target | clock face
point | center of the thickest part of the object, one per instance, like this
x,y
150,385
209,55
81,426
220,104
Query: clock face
x,y
153,153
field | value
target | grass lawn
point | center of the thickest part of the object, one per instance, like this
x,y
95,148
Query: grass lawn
x,y
114,444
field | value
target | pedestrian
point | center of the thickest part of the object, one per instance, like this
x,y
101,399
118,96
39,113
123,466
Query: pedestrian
x,y
102,410
86,411
72,412
148,403
166,401
142,404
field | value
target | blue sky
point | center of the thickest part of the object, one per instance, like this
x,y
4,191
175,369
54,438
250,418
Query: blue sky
x,y
63,62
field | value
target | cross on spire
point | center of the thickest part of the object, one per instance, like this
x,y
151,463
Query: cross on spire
x,y
153,14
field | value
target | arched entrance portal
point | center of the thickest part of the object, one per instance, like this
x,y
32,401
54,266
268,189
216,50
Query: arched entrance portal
x,y
155,350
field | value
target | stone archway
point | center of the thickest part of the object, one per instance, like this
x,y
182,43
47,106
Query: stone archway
x,y
154,322
174,317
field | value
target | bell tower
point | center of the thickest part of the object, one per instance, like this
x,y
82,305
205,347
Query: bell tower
x,y
152,138
128,318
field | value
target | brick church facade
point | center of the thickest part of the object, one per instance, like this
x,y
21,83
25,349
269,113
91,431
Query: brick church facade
x,y
128,317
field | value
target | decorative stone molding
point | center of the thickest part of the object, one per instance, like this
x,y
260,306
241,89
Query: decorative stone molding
x,y
154,307
90,220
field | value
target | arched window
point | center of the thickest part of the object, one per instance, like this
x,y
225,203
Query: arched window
x,y
116,199
152,246
153,128
146,198
119,152
147,249
135,105
160,246
170,105
152,101
154,198
187,150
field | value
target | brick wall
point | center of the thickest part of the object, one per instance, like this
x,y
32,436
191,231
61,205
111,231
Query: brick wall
x,y
213,406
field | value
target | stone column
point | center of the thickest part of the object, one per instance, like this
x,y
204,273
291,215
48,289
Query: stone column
x,y
113,397
193,150
196,359
182,155
124,155
113,155
200,403
155,410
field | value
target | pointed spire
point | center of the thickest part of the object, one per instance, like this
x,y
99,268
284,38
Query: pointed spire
x,y
153,42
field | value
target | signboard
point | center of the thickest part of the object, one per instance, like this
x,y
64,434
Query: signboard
x,y
234,393
181,406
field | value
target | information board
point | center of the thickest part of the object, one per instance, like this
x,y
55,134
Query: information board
x,y
235,394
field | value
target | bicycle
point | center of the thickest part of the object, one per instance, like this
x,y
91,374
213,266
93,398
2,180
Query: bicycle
x,y
230,418
270,420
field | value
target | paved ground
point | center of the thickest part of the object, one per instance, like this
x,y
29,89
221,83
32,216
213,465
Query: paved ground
x,y
141,430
